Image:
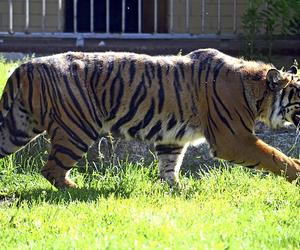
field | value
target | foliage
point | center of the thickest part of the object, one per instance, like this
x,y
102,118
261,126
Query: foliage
x,y
270,18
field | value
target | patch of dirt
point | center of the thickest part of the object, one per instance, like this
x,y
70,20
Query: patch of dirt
x,y
285,140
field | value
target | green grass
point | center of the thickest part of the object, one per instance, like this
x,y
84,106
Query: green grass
x,y
127,207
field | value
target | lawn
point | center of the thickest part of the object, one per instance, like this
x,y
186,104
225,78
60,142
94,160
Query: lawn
x,y
127,207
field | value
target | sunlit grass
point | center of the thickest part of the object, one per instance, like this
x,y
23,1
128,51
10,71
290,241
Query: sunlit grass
x,y
128,207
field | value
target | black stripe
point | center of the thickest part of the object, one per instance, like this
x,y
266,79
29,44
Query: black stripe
x,y
98,67
168,153
50,124
260,101
132,70
178,89
167,69
291,94
152,69
246,100
1,118
137,98
42,110
5,101
161,94
169,170
144,123
193,70
17,75
252,166
195,80
117,104
172,122
216,71
66,151
167,149
112,88
181,67
210,120
53,134
209,133
223,119
75,139
17,142
51,81
83,124
208,70
103,103
81,91
242,121
22,109
147,74
86,69
37,131
154,130
13,130
88,85
110,69
58,162
10,85
30,84
92,132
181,132
43,100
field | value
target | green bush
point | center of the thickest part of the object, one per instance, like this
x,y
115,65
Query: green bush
x,y
270,18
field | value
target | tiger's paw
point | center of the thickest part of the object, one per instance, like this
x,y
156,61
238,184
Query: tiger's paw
x,y
65,184
171,179
61,182
293,172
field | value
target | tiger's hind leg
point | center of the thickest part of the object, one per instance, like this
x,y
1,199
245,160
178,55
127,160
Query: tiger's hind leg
x,y
170,158
66,151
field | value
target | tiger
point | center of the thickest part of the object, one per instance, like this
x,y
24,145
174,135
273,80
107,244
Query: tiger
x,y
171,101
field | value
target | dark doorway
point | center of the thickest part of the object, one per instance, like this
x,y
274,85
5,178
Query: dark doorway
x,y
115,20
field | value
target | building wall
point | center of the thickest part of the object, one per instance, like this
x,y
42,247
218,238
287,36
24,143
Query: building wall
x,y
35,11
179,16
210,18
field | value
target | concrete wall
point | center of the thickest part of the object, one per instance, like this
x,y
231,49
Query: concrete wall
x,y
179,15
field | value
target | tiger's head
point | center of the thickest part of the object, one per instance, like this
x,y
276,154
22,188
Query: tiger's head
x,y
286,106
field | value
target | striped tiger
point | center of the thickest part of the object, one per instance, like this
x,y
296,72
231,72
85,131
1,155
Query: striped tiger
x,y
171,101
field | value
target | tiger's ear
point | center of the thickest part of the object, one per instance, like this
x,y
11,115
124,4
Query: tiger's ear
x,y
293,70
275,80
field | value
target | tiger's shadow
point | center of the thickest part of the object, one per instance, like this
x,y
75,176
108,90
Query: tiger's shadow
x,y
53,196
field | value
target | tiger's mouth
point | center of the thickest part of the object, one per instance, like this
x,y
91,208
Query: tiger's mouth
x,y
296,119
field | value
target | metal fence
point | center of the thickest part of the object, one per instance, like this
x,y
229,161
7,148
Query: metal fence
x,y
171,18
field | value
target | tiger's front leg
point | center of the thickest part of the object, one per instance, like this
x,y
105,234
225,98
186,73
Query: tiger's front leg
x,y
170,158
252,152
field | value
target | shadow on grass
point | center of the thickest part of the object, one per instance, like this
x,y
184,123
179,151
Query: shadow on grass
x,y
84,194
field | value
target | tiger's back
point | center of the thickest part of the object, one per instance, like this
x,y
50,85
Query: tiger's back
x,y
171,101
